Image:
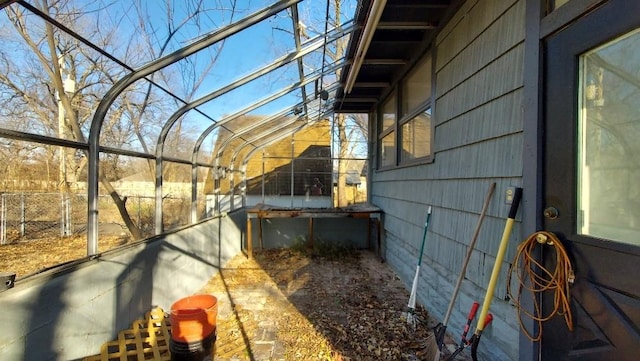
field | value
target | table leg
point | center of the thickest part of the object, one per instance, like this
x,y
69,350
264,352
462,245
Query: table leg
x,y
249,248
310,243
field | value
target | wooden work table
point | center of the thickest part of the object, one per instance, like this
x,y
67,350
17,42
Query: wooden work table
x,y
262,211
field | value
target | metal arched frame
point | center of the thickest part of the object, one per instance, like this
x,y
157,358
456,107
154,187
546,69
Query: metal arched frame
x,y
268,142
258,136
194,157
266,136
126,81
280,62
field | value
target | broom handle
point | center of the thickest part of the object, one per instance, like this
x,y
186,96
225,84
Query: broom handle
x,y
499,257
469,252
424,236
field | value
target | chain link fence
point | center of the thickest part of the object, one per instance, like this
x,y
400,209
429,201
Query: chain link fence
x,y
25,216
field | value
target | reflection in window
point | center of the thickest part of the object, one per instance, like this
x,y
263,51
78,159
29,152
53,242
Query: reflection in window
x,y
389,110
416,137
554,4
608,148
417,86
388,150
415,124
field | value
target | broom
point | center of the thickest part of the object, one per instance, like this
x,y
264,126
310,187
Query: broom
x,y
435,341
411,308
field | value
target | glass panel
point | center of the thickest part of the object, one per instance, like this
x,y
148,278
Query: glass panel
x,y
388,150
554,4
416,88
389,110
202,207
608,150
176,195
133,180
416,137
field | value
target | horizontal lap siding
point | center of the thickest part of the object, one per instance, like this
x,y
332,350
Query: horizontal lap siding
x,y
478,140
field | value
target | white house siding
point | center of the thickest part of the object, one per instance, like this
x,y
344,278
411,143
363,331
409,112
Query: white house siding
x,y
478,140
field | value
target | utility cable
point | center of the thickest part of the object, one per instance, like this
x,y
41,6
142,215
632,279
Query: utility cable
x,y
536,279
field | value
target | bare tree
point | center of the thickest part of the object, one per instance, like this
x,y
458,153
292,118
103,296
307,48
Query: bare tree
x,y
56,83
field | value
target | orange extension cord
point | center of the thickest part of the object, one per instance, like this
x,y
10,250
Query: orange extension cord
x,y
535,278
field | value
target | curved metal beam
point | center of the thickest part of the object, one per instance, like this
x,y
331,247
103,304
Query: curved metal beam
x,y
280,62
269,140
126,81
257,124
211,128
259,136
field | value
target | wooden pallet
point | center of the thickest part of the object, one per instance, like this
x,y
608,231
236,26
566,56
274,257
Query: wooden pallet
x,y
147,339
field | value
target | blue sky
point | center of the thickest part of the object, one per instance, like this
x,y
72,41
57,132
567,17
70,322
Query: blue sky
x,y
136,31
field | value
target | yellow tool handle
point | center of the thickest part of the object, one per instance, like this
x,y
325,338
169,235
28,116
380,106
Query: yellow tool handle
x,y
494,275
504,242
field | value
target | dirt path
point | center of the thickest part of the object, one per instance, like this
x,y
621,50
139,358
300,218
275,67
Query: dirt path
x,y
291,305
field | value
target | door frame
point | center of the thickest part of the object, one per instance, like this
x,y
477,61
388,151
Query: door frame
x,y
562,49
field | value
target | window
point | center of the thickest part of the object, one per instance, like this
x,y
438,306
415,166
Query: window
x,y
554,4
389,112
387,136
608,129
388,150
407,110
416,87
416,137
415,124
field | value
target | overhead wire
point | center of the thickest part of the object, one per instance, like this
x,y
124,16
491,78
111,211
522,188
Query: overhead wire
x,y
536,279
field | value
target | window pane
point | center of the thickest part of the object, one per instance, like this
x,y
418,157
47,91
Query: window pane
x,y
608,149
416,137
388,150
417,86
389,112
554,4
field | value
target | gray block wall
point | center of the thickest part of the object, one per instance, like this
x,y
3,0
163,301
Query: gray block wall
x,y
341,231
68,313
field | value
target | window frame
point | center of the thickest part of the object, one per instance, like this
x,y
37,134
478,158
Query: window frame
x,y
391,130
400,121
424,106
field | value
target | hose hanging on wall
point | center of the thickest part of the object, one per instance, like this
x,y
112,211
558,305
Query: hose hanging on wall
x,y
533,277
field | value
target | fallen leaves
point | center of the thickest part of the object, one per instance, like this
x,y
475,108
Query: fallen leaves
x,y
335,309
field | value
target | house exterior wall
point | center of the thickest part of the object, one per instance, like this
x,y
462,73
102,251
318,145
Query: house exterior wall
x,y
478,125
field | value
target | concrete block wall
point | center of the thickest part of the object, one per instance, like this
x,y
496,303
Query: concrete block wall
x,y
69,312
340,231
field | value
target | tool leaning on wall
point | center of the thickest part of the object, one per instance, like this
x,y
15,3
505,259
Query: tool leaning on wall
x,y
411,307
435,342
482,320
532,277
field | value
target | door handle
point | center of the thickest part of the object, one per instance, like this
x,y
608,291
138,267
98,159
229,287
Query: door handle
x,y
550,213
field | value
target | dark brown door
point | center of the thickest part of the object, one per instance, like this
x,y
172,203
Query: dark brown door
x,y
592,180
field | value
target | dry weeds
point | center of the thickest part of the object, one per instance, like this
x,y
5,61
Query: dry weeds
x,y
33,256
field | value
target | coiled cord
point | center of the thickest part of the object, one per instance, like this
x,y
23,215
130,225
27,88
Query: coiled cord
x,y
533,277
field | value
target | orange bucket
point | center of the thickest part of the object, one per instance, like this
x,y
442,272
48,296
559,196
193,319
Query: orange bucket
x,y
193,318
